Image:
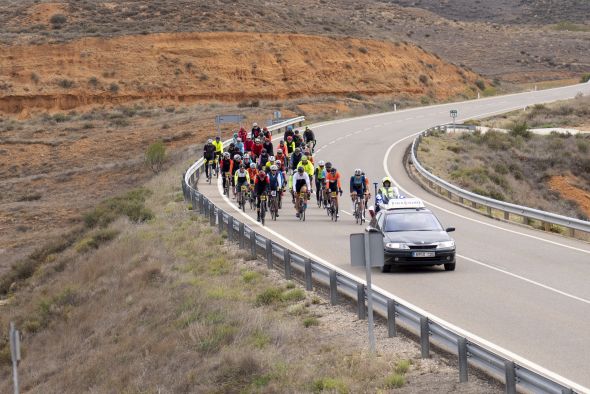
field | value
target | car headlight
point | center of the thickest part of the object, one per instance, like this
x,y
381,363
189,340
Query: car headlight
x,y
396,245
446,244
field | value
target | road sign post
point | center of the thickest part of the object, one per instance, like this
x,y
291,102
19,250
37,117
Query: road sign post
x,y
454,116
366,249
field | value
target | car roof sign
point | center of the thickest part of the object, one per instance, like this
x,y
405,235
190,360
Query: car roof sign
x,y
401,203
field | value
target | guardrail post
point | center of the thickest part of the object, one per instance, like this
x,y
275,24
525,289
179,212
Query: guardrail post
x,y
287,260
474,204
424,337
572,232
269,253
193,198
253,253
308,278
567,391
230,228
211,214
526,220
241,235
462,351
506,215
461,201
360,297
449,195
546,226
220,220
201,203
333,288
489,211
205,211
510,377
391,328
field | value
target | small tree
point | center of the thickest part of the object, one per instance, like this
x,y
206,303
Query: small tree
x,y
520,129
58,20
155,156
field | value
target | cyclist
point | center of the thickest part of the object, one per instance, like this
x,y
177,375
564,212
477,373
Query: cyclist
x,y
243,134
368,188
276,181
235,138
289,132
256,131
280,156
307,152
309,137
307,167
386,192
232,149
296,158
248,144
320,178
209,155
257,148
290,146
297,138
252,171
268,146
237,162
241,177
263,159
226,166
333,183
240,145
300,180
269,163
261,185
282,148
358,187
266,133
218,147
246,160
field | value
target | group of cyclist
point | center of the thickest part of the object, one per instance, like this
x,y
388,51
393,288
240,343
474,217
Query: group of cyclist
x,y
251,162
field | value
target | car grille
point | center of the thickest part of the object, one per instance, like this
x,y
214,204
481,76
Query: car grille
x,y
422,246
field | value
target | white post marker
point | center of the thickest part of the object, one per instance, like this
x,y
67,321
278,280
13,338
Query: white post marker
x,y
14,337
366,249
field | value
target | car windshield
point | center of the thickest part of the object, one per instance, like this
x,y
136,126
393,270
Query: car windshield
x,y
414,221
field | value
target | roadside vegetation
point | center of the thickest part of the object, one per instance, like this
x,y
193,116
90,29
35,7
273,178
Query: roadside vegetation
x,y
149,298
548,172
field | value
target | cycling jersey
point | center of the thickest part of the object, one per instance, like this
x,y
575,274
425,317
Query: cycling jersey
x,y
307,168
276,181
209,151
218,146
241,177
252,172
295,159
290,147
256,132
261,185
299,180
269,148
320,173
226,165
333,181
308,135
358,184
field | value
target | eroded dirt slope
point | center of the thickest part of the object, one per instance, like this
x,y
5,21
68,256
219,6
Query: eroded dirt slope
x,y
191,67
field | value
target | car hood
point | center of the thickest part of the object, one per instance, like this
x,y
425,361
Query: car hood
x,y
417,237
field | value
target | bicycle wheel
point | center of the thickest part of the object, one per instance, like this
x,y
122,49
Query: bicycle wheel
x,y
304,209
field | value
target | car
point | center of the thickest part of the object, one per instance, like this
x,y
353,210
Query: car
x,y
412,235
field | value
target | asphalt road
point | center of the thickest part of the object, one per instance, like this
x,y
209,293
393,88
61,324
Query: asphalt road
x,y
524,290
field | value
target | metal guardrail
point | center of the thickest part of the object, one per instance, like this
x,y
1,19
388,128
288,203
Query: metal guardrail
x,y
508,208
340,283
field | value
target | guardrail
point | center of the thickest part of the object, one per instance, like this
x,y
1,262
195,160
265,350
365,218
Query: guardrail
x,y
526,213
341,283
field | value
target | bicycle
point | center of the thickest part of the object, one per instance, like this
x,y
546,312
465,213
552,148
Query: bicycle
x,y
333,207
209,170
320,196
252,199
263,198
273,205
359,208
302,204
227,184
241,197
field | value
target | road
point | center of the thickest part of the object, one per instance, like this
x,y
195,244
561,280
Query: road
x,y
524,290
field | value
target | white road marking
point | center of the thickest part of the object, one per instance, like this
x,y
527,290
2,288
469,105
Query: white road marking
x,y
553,289
343,211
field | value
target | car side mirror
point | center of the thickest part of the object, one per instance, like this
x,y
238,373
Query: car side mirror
x,y
450,229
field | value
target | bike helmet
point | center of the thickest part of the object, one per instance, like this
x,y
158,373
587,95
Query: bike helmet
x,y
252,165
271,159
265,129
280,152
300,170
296,131
281,142
278,162
386,179
328,165
333,170
304,158
242,166
209,141
273,168
261,174
218,138
237,157
254,124
226,155
235,135
297,150
358,172
263,151
239,139
257,140
321,163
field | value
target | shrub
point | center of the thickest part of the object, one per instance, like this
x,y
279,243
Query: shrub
x,y
35,78
394,381
93,81
65,83
363,50
114,88
403,366
269,296
423,79
93,241
310,321
155,156
293,295
582,146
355,96
330,385
58,20
130,204
481,85
520,129
585,78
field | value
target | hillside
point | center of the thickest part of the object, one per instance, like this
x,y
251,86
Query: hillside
x,y
204,67
486,36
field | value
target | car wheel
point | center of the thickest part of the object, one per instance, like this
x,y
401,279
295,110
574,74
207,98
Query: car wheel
x,y
449,266
386,268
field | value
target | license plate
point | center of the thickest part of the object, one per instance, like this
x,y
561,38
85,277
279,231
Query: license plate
x,y
273,193
423,254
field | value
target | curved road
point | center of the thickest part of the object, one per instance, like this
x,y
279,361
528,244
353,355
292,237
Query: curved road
x,y
524,290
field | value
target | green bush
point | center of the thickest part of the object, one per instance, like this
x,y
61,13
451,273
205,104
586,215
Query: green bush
x,y
293,295
310,321
330,385
58,20
394,381
130,204
269,296
403,366
93,241
481,85
155,156
65,83
520,129
585,78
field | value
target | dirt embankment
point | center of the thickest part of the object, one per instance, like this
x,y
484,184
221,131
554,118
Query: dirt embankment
x,y
194,67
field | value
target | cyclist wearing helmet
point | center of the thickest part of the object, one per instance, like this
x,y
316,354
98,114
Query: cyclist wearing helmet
x,y
261,185
240,145
289,133
237,162
276,180
248,144
333,183
268,146
358,187
226,165
309,137
235,138
266,133
218,147
320,178
263,159
246,160
290,145
271,161
241,177
232,149
252,171
282,148
257,148
255,131
243,134
296,158
300,184
209,155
